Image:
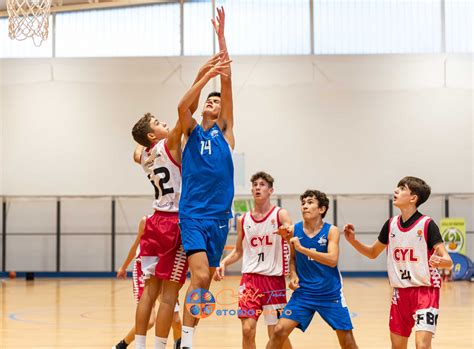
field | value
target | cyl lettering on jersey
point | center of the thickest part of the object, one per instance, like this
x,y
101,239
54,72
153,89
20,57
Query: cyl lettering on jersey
x,y
401,254
260,241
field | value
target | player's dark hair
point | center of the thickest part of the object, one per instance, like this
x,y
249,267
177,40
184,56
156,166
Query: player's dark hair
x,y
214,94
141,129
417,187
263,175
323,200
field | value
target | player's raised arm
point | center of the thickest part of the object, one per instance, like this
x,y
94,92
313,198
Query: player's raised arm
x,y
203,70
226,118
188,123
173,142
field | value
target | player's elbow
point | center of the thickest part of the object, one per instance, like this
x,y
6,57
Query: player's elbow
x,y
182,109
373,255
136,158
333,262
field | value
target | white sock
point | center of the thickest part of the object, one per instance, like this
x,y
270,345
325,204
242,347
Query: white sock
x,y
187,336
140,342
160,343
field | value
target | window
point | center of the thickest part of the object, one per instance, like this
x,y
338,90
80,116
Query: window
x,y
459,25
198,29
377,26
135,31
268,27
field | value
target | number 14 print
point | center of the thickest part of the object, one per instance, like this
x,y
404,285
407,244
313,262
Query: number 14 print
x,y
206,146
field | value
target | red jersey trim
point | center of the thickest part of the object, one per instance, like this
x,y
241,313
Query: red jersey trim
x,y
243,230
264,218
278,217
169,155
425,230
285,263
411,226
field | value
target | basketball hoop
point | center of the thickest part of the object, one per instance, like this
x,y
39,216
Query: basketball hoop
x,y
28,19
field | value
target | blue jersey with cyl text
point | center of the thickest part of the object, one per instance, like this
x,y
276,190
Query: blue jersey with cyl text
x,y
208,176
317,280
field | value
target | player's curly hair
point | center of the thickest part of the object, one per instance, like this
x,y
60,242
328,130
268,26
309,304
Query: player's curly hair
x,y
141,129
323,200
262,175
417,187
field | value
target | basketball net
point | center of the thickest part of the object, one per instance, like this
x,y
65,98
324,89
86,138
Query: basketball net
x,y
28,19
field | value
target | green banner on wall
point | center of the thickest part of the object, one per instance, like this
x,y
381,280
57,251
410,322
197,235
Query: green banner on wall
x,y
453,231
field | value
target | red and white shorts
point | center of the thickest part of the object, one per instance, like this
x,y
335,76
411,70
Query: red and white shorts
x,y
262,294
161,251
138,280
139,283
414,306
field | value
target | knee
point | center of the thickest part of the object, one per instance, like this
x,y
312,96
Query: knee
x,y
280,332
201,277
169,297
249,332
349,342
420,344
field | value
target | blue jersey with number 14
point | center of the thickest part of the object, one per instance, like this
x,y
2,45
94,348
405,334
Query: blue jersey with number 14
x,y
208,176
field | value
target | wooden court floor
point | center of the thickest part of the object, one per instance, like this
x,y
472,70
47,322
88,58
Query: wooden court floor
x,y
96,313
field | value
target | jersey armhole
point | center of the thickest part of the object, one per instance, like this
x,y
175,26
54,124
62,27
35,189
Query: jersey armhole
x,y
389,228
425,232
278,217
165,145
242,226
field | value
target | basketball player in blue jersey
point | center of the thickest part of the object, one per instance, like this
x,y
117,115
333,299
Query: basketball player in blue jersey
x,y
159,153
314,275
208,176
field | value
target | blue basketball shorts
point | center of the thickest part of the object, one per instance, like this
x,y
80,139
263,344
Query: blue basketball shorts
x,y
209,235
301,309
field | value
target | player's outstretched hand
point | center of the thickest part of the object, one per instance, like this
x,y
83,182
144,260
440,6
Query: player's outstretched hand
x,y
219,273
212,62
294,282
349,232
285,231
219,22
220,68
121,273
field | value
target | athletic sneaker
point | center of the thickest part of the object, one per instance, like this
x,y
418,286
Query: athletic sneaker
x,y
120,345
